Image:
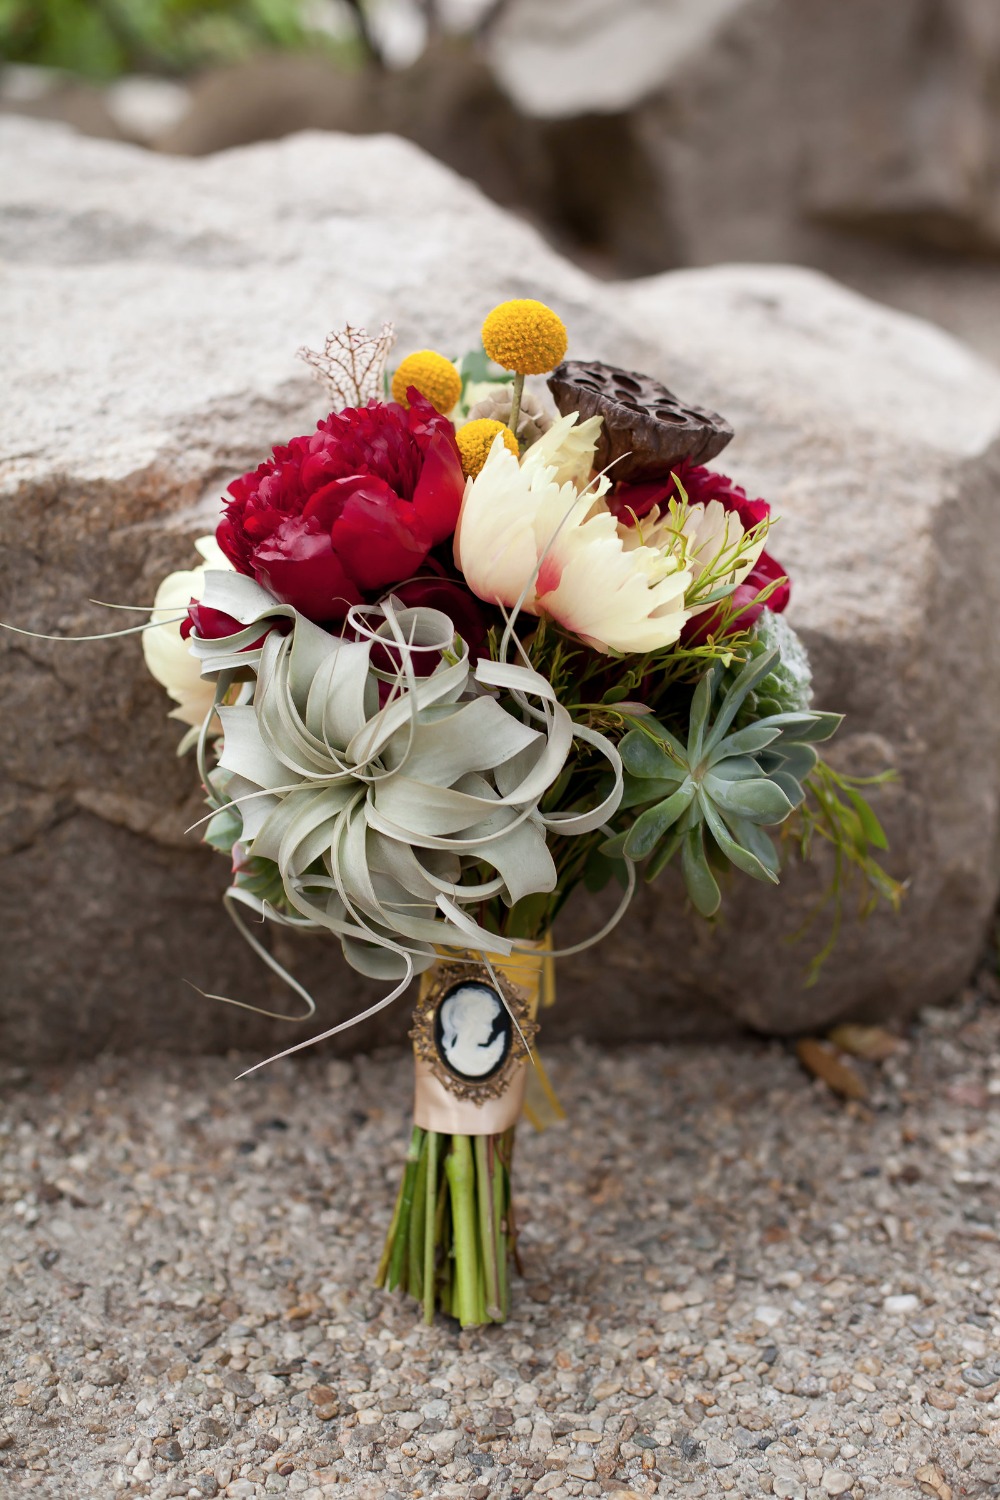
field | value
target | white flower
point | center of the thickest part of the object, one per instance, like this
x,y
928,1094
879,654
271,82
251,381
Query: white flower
x,y
525,538
567,448
707,536
166,651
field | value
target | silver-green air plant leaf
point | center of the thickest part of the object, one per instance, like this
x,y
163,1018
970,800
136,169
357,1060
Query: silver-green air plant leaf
x,y
393,787
716,794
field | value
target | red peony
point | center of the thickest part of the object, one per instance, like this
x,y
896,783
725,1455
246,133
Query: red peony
x,y
337,518
629,501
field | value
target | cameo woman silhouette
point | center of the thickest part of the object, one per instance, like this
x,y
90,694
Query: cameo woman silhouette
x,y
472,1031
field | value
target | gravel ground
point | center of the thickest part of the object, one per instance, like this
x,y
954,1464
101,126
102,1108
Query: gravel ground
x,y
735,1283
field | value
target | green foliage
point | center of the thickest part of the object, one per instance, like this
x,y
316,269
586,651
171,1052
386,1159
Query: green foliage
x,y
477,369
104,38
711,797
261,877
476,366
836,812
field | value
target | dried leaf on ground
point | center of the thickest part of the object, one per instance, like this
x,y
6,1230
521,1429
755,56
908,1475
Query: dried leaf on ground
x,y
932,1482
873,1043
822,1061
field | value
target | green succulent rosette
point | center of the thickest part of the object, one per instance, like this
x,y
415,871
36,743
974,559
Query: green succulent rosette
x,y
712,797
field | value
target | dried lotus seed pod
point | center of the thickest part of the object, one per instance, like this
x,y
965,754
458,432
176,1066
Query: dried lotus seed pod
x,y
646,429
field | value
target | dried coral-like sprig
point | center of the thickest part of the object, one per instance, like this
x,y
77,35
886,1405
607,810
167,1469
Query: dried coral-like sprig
x,y
352,364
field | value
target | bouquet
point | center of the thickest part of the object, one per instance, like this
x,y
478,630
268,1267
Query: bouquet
x,y
470,644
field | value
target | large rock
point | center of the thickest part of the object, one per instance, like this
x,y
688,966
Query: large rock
x,y
771,129
863,140
153,307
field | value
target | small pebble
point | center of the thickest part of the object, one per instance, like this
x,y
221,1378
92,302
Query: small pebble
x,y
900,1305
719,1454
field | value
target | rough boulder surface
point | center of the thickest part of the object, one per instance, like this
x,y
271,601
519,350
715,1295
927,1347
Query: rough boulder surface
x,y
152,309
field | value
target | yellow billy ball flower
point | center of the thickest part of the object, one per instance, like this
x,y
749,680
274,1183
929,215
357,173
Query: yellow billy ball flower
x,y
525,336
434,377
475,440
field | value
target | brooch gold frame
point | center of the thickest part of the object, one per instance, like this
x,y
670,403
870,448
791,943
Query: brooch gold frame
x,y
444,977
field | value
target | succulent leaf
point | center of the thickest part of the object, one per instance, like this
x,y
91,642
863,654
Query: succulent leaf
x,y
703,888
665,853
743,859
653,729
744,742
713,798
642,756
759,799
700,705
756,668
823,727
639,792
790,786
650,826
789,684
796,759
737,768
752,837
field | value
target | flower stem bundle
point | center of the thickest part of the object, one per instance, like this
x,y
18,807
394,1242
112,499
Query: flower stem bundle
x,y
452,1231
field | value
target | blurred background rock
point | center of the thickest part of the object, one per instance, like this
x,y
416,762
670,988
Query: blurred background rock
x,y
638,135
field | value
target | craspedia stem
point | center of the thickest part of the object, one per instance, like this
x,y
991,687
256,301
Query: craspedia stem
x,y
517,391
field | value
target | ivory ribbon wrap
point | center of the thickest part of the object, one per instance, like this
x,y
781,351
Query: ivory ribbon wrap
x,y
435,1107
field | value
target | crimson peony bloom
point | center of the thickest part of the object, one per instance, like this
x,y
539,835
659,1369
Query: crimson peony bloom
x,y
337,518
633,501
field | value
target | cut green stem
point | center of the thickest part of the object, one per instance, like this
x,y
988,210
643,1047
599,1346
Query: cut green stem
x,y
487,1225
501,1196
430,1222
461,1185
397,1262
390,1239
415,1238
452,1231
